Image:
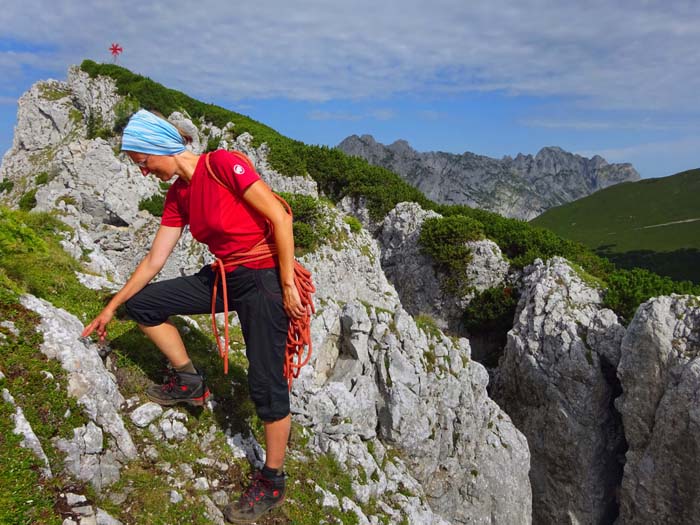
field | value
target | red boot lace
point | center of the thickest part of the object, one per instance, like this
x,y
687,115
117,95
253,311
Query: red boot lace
x,y
258,489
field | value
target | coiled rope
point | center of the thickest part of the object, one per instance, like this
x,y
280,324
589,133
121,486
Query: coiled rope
x,y
299,330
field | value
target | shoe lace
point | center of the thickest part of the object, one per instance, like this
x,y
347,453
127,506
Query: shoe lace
x,y
170,380
258,489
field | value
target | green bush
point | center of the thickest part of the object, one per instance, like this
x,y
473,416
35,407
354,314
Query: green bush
x,y
96,128
28,200
491,310
6,185
305,239
339,175
42,178
310,231
445,240
123,110
355,225
16,237
153,204
627,289
213,143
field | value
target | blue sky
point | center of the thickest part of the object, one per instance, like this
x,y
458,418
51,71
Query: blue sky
x,y
619,79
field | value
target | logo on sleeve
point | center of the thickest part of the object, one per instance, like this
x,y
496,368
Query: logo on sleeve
x,y
238,169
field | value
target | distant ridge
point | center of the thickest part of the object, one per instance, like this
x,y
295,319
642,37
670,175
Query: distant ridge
x,y
653,224
521,187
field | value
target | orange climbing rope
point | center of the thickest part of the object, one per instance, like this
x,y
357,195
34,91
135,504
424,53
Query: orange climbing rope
x,y
299,330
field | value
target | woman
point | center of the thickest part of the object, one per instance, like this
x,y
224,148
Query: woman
x,y
230,218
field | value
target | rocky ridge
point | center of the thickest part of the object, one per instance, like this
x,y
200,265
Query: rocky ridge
x,y
521,187
402,406
369,394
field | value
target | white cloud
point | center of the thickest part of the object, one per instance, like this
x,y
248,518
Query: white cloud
x,y
377,114
610,124
628,54
681,146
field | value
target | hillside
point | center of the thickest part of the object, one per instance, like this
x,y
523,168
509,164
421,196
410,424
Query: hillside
x,y
652,223
395,418
520,187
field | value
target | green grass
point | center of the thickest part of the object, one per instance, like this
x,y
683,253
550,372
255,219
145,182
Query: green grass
x,y
26,497
32,260
616,223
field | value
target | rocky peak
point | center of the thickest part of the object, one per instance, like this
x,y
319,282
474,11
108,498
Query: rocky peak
x,y
403,409
520,187
401,405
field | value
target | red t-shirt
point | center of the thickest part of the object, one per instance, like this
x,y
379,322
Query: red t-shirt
x,y
218,217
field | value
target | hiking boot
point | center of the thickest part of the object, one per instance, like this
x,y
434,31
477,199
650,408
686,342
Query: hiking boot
x,y
179,387
261,496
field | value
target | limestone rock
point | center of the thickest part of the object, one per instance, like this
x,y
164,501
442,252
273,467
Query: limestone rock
x,y
557,382
660,373
88,381
145,414
375,373
171,425
521,188
95,97
29,440
423,288
103,518
87,460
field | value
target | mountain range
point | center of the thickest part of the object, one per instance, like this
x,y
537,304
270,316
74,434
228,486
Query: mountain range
x,y
589,417
522,187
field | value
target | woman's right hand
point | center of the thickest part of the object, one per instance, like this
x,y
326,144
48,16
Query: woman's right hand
x,y
99,324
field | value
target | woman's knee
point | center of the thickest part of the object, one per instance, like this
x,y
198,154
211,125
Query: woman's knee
x,y
143,315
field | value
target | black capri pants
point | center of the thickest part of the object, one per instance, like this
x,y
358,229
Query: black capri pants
x,y
256,296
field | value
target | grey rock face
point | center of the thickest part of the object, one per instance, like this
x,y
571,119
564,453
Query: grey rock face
x,y
520,188
145,414
87,460
375,377
29,439
556,381
422,288
660,373
88,381
93,97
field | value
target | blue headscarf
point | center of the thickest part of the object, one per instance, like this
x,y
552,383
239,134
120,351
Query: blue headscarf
x,y
150,134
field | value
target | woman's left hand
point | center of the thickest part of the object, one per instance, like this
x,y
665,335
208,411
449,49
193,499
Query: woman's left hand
x,y
292,302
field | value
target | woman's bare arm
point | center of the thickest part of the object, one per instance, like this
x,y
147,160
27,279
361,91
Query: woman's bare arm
x,y
165,240
259,196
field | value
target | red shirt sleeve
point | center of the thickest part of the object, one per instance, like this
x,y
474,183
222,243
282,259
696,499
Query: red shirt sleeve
x,y
235,169
175,212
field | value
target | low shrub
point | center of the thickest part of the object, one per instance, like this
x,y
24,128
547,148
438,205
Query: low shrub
x,y
355,225
491,310
153,204
627,289
310,230
445,240
28,200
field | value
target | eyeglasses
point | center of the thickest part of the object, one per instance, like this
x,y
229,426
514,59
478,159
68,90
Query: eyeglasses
x,y
142,163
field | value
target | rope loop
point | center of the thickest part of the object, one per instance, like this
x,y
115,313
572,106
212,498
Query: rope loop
x,y
298,345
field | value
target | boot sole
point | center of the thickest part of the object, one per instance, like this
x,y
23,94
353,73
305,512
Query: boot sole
x,y
194,401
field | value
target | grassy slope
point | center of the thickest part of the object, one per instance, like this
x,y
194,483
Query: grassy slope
x,y
614,222
32,260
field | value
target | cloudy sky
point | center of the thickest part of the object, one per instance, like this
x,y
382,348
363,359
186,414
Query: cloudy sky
x,y
620,79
